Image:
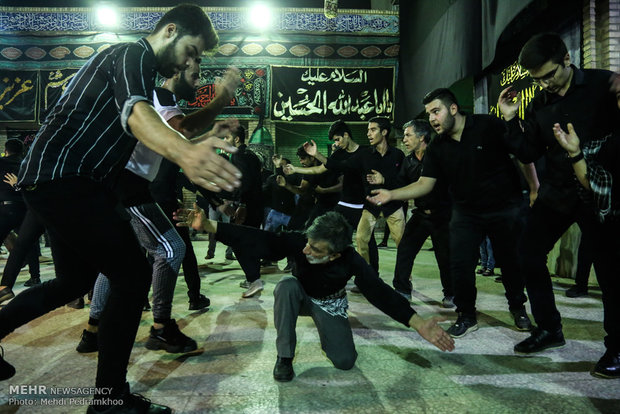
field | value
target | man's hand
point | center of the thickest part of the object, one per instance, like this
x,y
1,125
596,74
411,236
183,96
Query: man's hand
x,y
570,141
289,169
277,160
240,215
281,181
194,218
226,208
375,177
226,85
207,169
222,128
507,104
432,332
310,148
10,179
380,196
533,197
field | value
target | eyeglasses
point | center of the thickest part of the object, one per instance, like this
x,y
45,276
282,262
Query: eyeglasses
x,y
546,78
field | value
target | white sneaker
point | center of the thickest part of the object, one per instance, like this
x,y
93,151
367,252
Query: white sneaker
x,y
255,287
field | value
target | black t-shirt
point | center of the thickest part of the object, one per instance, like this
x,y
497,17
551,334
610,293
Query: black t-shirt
x,y
478,168
410,172
352,183
325,180
363,162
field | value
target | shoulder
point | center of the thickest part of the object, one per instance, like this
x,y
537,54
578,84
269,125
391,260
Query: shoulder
x,y
165,97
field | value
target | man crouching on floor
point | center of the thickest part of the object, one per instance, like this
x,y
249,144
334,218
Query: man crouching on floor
x,y
323,263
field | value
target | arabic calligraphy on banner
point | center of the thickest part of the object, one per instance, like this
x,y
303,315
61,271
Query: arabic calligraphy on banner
x,y
325,94
250,95
53,85
18,95
517,77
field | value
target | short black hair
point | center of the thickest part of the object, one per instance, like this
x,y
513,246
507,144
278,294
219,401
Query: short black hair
x,y
338,128
190,20
301,152
14,146
332,228
383,122
542,48
239,132
421,127
445,95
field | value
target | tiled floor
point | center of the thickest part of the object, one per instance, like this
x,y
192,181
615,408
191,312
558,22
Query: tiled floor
x,y
396,371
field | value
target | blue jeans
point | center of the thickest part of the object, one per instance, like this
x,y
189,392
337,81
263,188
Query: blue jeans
x,y
275,219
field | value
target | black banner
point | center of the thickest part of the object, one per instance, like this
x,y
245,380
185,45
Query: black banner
x,y
53,85
249,97
517,77
18,95
325,94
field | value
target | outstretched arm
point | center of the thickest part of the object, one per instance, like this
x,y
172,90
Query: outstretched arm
x,y
432,332
290,169
414,190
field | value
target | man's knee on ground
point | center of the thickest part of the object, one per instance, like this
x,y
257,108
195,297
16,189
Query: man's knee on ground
x,y
286,285
344,362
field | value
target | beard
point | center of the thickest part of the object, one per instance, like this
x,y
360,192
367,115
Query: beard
x,y
184,90
167,66
448,124
317,260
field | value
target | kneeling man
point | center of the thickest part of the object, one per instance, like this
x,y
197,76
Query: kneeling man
x,y
323,263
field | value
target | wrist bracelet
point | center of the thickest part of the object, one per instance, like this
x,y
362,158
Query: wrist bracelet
x,y
576,158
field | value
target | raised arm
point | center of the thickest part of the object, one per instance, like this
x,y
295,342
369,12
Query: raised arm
x,y
414,190
570,142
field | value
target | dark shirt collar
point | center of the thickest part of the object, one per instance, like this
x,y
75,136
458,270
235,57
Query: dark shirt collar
x,y
469,123
389,149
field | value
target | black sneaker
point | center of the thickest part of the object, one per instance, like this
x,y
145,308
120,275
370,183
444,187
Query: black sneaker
x,y
200,303
88,343
576,292
77,304
539,341
230,256
6,370
32,281
522,321
5,294
462,326
133,404
171,339
608,366
283,370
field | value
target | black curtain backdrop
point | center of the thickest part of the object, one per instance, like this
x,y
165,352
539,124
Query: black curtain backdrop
x,y
443,41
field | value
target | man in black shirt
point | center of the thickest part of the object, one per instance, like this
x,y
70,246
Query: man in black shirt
x,y
323,263
584,98
381,157
471,156
430,217
86,141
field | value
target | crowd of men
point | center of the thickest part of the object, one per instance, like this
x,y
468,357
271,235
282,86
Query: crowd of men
x,y
110,153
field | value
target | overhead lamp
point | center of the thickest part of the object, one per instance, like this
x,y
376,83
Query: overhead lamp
x,y
107,15
260,16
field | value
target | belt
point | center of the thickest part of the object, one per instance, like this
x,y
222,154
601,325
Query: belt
x,y
340,294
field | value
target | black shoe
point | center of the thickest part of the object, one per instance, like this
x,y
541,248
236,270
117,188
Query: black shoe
x,y
133,404
283,370
462,326
230,256
576,292
32,281
88,343
539,341
200,303
171,339
147,306
608,366
77,304
498,279
6,370
5,294
522,321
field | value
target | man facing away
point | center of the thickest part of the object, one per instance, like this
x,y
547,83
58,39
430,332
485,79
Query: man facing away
x,y
471,156
85,141
323,262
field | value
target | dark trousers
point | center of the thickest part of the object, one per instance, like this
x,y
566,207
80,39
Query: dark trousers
x,y
25,250
417,230
544,227
190,265
467,230
291,301
353,215
88,235
585,257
